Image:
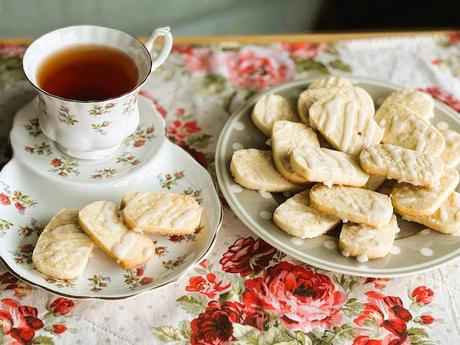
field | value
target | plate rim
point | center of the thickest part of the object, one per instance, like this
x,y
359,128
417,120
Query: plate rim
x,y
221,172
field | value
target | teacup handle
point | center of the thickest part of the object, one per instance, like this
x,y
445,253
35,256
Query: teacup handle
x,y
167,45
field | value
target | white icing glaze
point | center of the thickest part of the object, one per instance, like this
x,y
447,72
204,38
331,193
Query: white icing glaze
x,y
362,258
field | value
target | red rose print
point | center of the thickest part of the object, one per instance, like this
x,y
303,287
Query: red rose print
x,y
301,298
247,256
422,295
453,37
146,280
4,199
444,97
300,50
389,314
139,143
176,238
56,162
61,306
11,49
426,319
215,325
59,328
379,283
259,68
20,207
139,270
179,130
204,263
208,286
157,105
197,59
18,321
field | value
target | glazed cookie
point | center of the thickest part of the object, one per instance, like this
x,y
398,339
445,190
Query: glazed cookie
x,y
285,136
254,169
270,108
344,124
328,166
401,164
329,82
310,96
365,242
62,250
451,154
423,201
101,221
401,127
161,213
420,103
297,218
446,219
352,204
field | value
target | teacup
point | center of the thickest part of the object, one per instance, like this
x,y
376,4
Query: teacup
x,y
72,123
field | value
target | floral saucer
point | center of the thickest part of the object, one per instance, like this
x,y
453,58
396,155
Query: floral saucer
x,y
40,180
416,248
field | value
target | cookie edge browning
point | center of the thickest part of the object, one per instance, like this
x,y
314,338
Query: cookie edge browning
x,y
52,225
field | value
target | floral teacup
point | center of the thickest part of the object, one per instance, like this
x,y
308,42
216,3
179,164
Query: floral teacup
x,y
92,129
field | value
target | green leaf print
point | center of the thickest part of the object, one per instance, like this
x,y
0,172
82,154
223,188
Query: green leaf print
x,y
166,333
192,304
340,65
339,335
352,308
248,335
43,340
303,65
199,141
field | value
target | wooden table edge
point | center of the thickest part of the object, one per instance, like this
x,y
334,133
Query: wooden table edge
x,y
317,37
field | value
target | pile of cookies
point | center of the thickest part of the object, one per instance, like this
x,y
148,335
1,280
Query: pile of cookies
x,y
65,245
337,140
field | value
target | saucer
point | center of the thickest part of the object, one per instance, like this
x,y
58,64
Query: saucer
x,y
40,180
43,156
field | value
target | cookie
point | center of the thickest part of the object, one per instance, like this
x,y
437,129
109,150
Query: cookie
x,y
374,182
328,166
445,220
285,136
451,154
254,169
365,242
352,204
62,250
401,164
420,103
161,213
297,218
310,96
270,108
329,82
401,127
344,124
424,201
101,221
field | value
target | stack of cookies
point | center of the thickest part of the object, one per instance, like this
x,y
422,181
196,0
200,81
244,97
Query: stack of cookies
x,y
65,245
336,151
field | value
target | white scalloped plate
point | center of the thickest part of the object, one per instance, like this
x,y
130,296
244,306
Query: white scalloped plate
x,y
40,180
416,249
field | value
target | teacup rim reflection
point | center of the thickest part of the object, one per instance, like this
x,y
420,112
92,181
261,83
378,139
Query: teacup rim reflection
x,y
40,89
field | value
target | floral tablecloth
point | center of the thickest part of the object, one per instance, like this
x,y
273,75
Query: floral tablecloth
x,y
247,292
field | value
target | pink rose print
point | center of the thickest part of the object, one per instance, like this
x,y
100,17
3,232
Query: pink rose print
x,y
300,50
259,68
301,298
